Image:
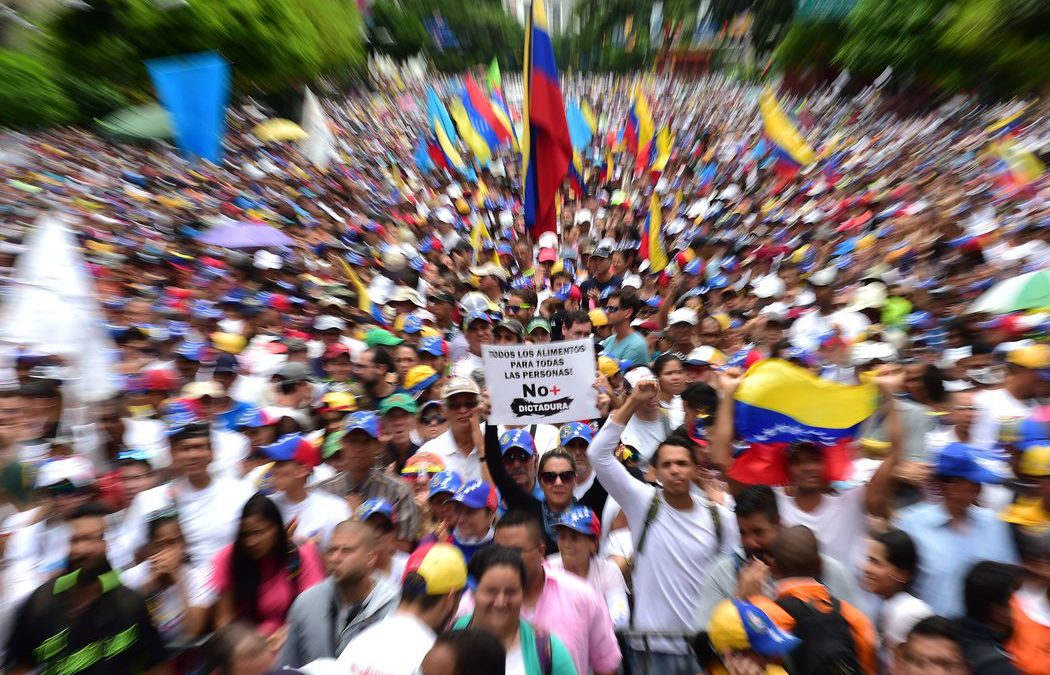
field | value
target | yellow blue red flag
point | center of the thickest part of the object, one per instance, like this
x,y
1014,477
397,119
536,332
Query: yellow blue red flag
x,y
779,402
652,238
546,147
789,147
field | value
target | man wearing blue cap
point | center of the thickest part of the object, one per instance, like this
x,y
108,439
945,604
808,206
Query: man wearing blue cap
x,y
953,535
361,481
309,515
380,515
476,503
433,352
477,329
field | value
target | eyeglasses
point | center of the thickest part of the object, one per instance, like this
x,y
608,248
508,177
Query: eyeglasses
x,y
515,309
551,477
516,457
610,308
433,419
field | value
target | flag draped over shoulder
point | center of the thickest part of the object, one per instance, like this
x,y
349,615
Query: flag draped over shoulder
x,y
546,147
790,149
779,402
652,237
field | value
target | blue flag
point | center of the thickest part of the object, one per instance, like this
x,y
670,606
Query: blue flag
x,y
194,89
579,130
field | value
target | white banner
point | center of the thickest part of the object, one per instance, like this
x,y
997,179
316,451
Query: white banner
x,y
548,383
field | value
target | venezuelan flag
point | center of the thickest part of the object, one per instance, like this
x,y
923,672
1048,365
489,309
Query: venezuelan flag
x,y
546,147
790,149
660,153
472,136
438,115
652,237
485,120
502,113
1008,124
779,402
639,129
1020,167
579,185
479,234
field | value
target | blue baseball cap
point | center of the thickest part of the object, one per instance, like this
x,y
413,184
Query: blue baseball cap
x,y
959,460
434,346
574,430
476,316
517,438
413,324
362,420
477,494
582,519
375,507
445,482
293,448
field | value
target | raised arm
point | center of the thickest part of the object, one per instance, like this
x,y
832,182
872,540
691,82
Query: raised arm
x,y
513,496
890,380
722,435
632,495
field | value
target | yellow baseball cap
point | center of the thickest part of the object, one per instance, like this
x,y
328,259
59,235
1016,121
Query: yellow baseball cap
x,y
441,568
1035,461
1036,357
598,318
608,366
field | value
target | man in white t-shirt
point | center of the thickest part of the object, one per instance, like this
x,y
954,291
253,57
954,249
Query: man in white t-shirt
x,y
1028,376
678,535
434,581
309,515
209,508
837,518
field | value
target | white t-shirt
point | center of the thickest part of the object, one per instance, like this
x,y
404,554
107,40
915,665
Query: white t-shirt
x,y
166,607
679,546
444,446
838,523
230,449
150,435
394,646
644,436
397,569
317,515
209,518
466,365
993,407
515,661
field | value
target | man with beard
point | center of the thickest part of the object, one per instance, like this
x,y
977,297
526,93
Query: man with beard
x,y
85,621
744,572
434,580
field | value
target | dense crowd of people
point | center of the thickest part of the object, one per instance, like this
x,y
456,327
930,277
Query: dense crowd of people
x,y
295,469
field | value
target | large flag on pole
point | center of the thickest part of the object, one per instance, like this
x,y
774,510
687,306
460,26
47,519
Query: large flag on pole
x,y
546,148
194,89
319,146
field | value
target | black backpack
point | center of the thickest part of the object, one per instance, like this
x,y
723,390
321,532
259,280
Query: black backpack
x,y
827,646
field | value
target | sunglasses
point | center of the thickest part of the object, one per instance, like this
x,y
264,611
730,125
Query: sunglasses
x,y
433,419
611,308
551,477
518,457
514,309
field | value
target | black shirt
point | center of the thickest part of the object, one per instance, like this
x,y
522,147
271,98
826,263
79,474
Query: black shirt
x,y
113,635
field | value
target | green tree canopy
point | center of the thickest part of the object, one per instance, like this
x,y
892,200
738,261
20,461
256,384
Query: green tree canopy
x,y
29,95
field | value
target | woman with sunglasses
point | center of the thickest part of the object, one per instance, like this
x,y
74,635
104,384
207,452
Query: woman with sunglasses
x,y
556,478
431,422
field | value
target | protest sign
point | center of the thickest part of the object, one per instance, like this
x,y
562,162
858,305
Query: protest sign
x,y
541,384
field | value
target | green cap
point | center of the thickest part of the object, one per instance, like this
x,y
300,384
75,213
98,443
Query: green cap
x,y
538,323
332,443
379,336
399,400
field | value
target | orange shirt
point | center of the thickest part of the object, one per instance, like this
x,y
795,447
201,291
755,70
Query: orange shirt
x,y
810,590
1029,645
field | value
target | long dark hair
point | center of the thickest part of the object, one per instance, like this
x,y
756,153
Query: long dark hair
x,y
246,570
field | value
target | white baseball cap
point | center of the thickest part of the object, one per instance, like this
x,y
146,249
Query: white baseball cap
x,y
682,315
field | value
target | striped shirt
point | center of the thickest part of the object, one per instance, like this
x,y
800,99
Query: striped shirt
x,y
379,485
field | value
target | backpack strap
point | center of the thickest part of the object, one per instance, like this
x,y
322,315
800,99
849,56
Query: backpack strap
x,y
650,516
544,651
716,521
